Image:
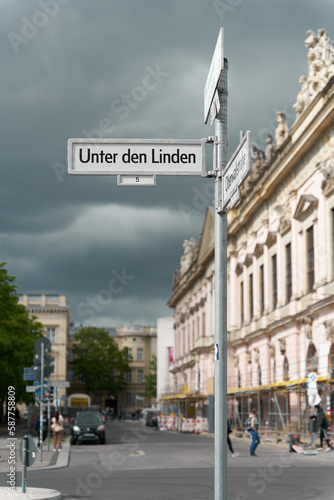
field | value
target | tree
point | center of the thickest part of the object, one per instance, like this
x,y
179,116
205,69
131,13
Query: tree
x,y
99,362
18,333
150,380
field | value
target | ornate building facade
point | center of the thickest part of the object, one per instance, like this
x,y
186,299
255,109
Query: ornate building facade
x,y
280,270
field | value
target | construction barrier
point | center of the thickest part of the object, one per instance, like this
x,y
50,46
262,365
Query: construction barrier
x,y
202,425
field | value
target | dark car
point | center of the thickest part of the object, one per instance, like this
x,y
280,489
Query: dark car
x,y
88,426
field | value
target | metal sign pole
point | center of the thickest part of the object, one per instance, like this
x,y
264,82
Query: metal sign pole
x,y
221,298
41,406
24,463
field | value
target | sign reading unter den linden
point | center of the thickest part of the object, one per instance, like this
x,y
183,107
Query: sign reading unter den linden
x,y
136,156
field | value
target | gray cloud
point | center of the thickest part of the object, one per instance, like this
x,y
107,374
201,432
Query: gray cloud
x,y
69,78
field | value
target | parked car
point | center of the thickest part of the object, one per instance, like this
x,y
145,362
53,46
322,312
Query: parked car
x,y
88,426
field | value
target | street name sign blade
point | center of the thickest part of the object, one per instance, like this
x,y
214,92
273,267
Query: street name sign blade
x,y
214,75
29,376
237,168
60,383
30,388
137,157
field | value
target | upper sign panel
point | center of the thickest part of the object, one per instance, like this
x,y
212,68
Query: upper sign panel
x,y
136,156
214,75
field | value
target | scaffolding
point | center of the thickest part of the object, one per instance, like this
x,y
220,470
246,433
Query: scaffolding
x,y
283,406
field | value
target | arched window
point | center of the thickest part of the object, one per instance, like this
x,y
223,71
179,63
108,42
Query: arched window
x,y
285,369
331,361
311,359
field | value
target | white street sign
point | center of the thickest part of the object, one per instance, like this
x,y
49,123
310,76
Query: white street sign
x,y
59,383
136,180
237,168
214,75
31,388
137,157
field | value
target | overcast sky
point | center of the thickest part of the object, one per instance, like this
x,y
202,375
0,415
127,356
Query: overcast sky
x,y
67,67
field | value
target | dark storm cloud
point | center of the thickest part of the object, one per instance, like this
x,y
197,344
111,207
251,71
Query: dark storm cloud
x,y
76,68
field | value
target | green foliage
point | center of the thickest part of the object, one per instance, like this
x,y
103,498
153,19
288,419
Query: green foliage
x,y
18,333
99,362
150,380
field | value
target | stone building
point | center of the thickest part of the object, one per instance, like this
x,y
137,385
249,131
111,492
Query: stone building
x,y
280,270
54,314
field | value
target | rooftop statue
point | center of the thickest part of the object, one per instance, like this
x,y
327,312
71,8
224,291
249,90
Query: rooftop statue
x,y
320,68
189,254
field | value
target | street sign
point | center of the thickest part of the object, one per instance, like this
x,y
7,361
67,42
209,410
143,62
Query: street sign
x,y
215,108
137,157
30,388
39,342
237,168
214,75
29,374
59,383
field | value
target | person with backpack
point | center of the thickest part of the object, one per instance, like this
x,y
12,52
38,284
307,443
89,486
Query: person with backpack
x,y
252,427
323,426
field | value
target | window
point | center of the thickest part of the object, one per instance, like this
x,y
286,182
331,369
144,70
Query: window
x,y
128,398
331,362
274,279
140,354
259,377
251,296
288,277
310,259
311,359
203,324
261,290
70,355
129,354
242,301
51,334
128,377
285,369
70,375
140,376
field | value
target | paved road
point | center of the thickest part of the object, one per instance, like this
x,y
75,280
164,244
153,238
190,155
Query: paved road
x,y
142,464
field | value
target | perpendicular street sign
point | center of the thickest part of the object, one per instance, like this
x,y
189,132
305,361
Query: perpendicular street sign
x,y
60,383
237,168
137,157
214,75
30,388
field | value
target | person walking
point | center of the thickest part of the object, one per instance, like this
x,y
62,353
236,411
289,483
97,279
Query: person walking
x,y
253,430
57,428
229,430
323,426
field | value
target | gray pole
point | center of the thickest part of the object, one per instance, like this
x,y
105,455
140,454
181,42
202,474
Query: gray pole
x,y
24,463
221,299
41,406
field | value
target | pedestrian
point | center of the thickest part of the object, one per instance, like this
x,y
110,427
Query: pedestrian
x,y
253,430
229,430
57,428
323,426
45,425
